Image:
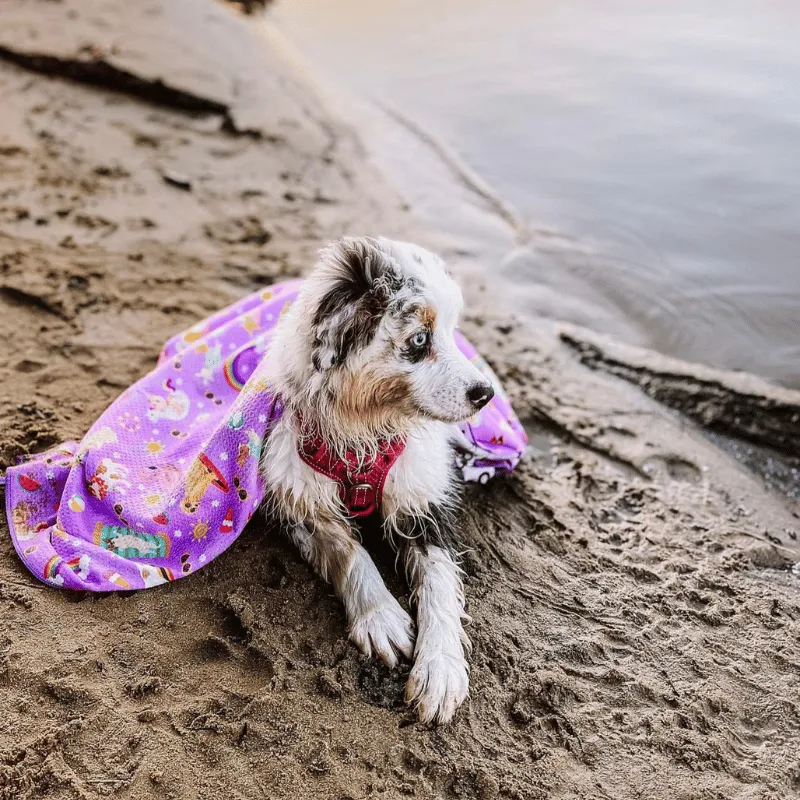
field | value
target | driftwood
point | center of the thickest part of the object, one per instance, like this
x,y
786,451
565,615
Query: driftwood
x,y
735,404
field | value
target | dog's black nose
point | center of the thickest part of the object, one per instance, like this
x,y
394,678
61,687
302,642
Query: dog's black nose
x,y
480,394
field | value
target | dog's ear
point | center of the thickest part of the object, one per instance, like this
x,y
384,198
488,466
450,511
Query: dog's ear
x,y
362,281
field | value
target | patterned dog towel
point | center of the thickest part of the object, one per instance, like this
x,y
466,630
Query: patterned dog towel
x,y
168,477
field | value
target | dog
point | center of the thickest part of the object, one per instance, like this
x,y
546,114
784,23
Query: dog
x,y
373,385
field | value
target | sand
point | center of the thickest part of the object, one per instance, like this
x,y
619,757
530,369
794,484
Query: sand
x,y
636,621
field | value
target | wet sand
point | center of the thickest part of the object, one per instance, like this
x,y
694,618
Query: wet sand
x,y
636,621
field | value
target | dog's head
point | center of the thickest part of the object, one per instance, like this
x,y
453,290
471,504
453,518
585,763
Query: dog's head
x,y
370,340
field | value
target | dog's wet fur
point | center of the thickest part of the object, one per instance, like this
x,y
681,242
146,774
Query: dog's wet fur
x,y
366,353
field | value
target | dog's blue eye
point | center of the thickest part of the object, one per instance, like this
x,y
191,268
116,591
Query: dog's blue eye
x,y
419,340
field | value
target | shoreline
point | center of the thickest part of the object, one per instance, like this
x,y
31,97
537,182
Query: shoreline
x,y
635,616
612,247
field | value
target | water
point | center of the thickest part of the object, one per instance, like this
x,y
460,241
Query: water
x,y
652,151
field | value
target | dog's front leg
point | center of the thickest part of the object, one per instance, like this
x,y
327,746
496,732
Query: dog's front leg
x,y
439,680
377,622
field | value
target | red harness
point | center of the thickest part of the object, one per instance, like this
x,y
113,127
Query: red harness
x,y
360,485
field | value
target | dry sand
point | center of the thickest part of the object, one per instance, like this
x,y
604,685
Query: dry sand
x,y
636,621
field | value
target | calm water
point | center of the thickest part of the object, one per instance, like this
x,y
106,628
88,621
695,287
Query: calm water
x,y
653,150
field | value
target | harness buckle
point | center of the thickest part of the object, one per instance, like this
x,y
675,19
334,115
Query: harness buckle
x,y
361,499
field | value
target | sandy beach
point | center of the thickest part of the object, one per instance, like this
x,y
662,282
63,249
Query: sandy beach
x,y
635,614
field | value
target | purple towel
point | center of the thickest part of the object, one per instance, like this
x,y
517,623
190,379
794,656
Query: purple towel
x,y
168,477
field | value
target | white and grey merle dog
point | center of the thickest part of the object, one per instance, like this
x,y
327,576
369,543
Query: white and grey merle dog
x,y
367,354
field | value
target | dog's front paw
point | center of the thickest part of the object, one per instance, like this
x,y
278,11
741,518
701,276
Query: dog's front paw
x,y
385,630
438,685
